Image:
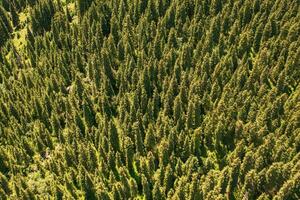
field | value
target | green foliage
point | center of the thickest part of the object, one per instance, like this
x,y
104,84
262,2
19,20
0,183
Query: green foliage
x,y
155,99
41,16
82,6
5,26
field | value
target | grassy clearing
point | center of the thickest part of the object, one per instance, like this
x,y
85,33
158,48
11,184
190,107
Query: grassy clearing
x,y
19,39
23,16
19,35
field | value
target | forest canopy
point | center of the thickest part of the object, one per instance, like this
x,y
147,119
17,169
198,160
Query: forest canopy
x,y
150,99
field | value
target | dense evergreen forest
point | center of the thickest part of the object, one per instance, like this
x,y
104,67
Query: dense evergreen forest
x,y
150,99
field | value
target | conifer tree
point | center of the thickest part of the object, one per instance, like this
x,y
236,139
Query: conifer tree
x,y
82,6
156,192
14,15
150,140
5,20
113,136
5,26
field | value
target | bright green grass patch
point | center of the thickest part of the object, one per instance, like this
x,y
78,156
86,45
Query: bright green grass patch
x,y
71,6
19,39
23,17
140,197
19,35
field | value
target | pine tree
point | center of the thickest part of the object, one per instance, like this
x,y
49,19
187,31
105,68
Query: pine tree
x,y
216,7
89,187
138,137
146,187
186,57
190,119
169,178
113,136
177,109
4,184
89,115
157,193
107,69
5,20
150,140
82,6
14,15
5,26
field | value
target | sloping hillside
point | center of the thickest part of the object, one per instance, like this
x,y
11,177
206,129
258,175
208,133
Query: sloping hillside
x,y
150,99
